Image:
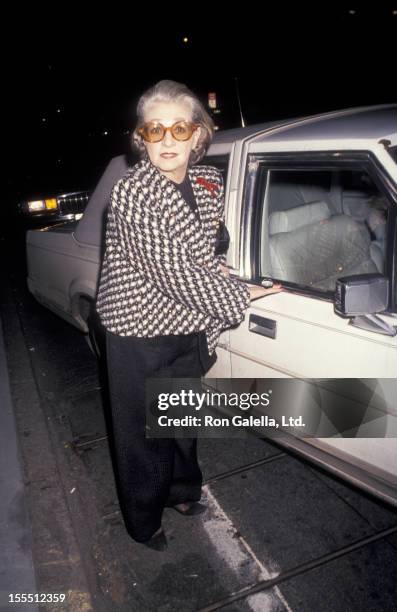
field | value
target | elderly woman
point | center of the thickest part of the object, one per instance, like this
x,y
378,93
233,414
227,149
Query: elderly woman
x,y
163,298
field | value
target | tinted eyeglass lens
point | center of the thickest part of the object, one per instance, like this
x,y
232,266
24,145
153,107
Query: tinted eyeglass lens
x,y
182,130
155,132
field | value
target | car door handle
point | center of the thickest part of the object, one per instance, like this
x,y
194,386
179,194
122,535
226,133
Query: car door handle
x,y
263,326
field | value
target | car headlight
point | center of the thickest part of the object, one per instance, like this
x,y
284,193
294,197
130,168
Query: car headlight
x,y
37,205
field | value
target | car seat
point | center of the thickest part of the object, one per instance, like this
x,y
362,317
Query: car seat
x,y
310,247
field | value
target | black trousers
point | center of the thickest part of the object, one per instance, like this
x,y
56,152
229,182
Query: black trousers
x,y
150,473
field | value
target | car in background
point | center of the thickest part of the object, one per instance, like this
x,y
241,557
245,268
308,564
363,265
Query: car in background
x,y
63,207
312,203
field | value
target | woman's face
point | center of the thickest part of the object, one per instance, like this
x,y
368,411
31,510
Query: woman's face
x,y
170,156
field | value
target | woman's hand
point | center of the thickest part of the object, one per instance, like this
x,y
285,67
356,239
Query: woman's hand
x,y
257,291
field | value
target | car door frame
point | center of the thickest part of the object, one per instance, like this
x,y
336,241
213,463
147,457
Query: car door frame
x,y
318,160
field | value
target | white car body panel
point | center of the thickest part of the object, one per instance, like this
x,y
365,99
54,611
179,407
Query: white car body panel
x,y
60,270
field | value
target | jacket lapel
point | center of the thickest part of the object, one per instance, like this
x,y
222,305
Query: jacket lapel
x,y
196,230
206,194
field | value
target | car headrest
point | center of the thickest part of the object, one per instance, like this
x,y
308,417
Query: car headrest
x,y
294,218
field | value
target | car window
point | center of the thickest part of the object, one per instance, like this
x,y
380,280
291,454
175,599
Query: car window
x,y
320,225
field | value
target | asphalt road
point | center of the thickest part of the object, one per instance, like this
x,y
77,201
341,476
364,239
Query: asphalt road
x,y
275,523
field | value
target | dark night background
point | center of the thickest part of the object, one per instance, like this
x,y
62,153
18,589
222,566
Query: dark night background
x,y
70,74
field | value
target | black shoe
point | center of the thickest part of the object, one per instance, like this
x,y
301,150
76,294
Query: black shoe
x,y
158,541
193,509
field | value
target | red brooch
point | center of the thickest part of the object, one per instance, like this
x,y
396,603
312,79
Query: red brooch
x,y
210,186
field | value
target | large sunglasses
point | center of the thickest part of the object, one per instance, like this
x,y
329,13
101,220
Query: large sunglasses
x,y
153,131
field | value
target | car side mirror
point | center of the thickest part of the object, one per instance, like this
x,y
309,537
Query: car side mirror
x,y
361,297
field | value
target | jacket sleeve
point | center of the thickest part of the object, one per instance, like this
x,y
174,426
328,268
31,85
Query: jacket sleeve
x,y
166,263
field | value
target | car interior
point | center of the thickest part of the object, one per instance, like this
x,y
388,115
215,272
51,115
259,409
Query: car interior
x,y
322,226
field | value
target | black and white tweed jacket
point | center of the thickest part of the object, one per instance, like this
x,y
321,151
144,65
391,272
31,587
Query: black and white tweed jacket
x,y
159,274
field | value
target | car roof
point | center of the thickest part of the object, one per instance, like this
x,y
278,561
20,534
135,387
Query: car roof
x,y
230,136
371,122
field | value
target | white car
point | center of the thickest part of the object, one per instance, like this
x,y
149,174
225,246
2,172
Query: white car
x,y
311,202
